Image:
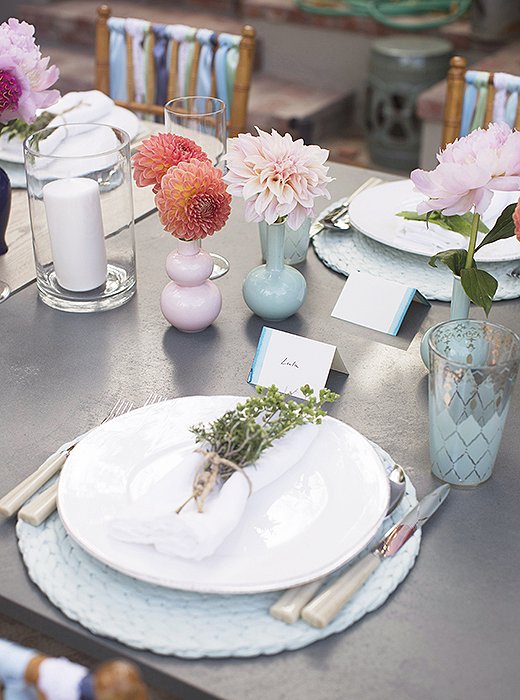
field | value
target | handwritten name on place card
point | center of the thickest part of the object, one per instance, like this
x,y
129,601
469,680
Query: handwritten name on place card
x,y
289,361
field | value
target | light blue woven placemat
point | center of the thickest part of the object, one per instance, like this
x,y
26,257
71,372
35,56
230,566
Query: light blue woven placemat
x,y
178,623
351,251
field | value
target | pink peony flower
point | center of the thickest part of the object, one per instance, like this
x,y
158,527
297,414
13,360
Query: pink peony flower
x,y
24,74
470,169
277,177
516,220
193,201
158,153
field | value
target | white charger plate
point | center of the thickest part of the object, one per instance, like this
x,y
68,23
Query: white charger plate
x,y
316,517
373,213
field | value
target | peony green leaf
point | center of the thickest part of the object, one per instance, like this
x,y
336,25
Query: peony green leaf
x,y
455,259
503,228
480,287
457,223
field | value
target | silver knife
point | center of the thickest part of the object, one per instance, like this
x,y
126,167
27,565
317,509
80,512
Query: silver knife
x,y
326,606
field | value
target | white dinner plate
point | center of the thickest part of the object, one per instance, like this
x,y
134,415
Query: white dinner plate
x,y
317,516
373,213
119,117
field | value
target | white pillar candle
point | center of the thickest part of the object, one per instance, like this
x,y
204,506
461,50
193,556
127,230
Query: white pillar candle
x,y
73,210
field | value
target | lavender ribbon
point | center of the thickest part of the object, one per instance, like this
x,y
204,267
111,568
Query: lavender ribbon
x,y
160,54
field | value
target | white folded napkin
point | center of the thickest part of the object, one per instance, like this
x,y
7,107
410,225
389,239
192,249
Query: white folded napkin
x,y
73,108
152,519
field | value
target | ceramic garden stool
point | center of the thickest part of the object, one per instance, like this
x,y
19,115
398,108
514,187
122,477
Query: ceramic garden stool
x,y
400,68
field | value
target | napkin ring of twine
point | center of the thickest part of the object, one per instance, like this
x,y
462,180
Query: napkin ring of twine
x,y
207,475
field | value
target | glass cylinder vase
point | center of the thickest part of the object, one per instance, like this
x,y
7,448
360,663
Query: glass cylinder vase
x,y
79,186
274,291
473,368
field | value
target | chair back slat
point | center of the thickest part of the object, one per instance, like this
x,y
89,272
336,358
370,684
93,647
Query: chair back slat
x,y
476,98
235,61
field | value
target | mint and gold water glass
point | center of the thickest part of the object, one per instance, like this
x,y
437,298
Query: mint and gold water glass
x,y
473,369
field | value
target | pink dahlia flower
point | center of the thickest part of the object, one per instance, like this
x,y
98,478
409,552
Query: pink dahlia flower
x,y
24,75
277,177
193,201
470,169
516,220
158,153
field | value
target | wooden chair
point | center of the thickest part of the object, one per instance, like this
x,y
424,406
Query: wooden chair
x,y
145,97
476,98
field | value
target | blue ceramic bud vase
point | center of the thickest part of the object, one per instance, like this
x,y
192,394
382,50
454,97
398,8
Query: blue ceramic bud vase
x,y
5,208
274,291
459,309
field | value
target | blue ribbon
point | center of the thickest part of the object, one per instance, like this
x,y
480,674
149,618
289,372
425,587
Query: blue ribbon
x,y
226,60
117,58
207,40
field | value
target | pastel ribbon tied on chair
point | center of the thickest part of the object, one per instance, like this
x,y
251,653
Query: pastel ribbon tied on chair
x,y
137,29
207,40
226,61
152,519
505,104
474,104
185,37
117,58
160,55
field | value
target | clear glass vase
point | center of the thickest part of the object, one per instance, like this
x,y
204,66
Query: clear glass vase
x,y
79,186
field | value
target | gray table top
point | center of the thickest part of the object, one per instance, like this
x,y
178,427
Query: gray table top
x,y
449,631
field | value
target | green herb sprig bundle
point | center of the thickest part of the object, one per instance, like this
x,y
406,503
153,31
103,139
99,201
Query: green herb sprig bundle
x,y
239,437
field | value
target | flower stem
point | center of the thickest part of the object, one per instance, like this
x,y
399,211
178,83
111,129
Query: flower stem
x,y
472,241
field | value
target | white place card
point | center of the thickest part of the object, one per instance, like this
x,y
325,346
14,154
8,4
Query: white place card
x,y
375,303
289,361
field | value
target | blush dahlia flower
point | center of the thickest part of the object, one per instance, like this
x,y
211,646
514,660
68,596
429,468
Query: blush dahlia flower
x,y
158,153
279,178
193,201
24,75
469,170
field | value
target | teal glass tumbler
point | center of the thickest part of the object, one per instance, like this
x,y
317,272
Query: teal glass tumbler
x,y
473,368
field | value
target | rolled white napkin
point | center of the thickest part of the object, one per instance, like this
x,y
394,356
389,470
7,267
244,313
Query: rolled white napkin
x,y
152,519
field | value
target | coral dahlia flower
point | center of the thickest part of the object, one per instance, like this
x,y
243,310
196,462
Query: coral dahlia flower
x,y
193,201
158,153
279,178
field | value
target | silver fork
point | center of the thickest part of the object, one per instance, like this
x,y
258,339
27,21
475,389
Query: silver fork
x,y
44,504
338,218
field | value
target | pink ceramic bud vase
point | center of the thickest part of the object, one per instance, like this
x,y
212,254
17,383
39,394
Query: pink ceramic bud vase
x,y
191,301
